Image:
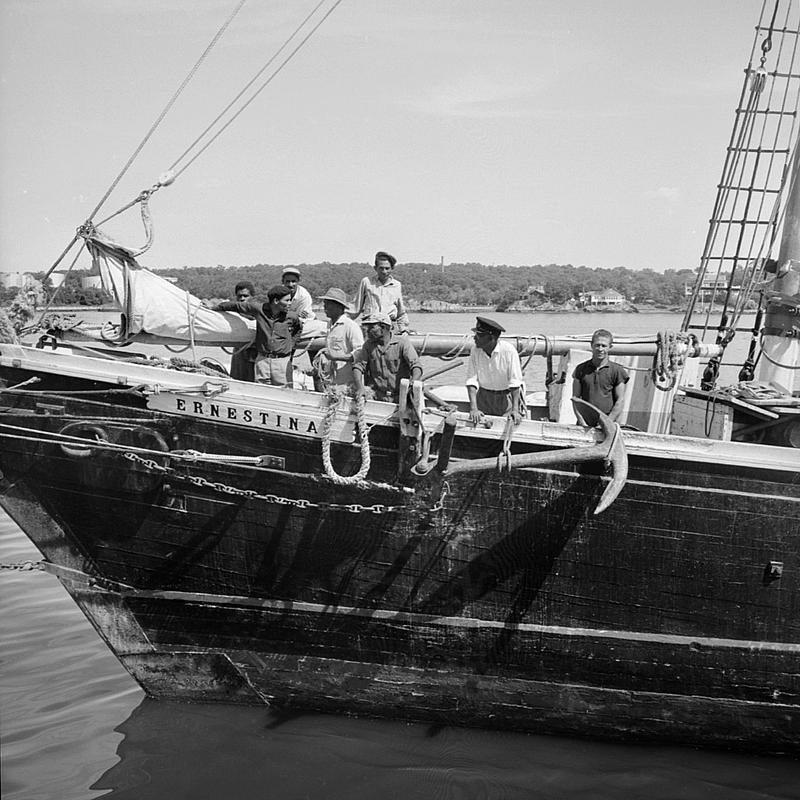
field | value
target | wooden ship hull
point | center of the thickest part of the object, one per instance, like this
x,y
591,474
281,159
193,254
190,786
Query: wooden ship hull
x,y
489,597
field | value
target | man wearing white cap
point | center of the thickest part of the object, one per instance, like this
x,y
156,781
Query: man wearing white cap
x,y
344,338
301,299
384,360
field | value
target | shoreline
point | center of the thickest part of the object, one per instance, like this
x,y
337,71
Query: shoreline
x,y
105,309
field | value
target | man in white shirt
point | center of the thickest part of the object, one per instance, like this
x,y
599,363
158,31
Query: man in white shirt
x,y
344,338
494,375
301,300
382,294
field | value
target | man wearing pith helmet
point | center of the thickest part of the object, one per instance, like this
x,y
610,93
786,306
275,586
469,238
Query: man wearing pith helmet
x,y
494,374
382,293
344,338
300,298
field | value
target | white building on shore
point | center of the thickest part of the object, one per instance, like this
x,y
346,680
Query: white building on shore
x,y
607,298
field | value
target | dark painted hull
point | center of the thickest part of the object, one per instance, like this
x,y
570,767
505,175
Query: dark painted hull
x,y
501,602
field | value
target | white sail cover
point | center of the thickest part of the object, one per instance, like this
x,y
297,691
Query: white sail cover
x,y
152,307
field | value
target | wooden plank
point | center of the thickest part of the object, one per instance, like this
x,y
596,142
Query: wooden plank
x,y
717,398
700,419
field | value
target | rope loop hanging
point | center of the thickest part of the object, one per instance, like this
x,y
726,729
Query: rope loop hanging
x,y
334,396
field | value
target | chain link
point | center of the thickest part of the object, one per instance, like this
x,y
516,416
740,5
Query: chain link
x,y
24,565
439,505
146,462
202,483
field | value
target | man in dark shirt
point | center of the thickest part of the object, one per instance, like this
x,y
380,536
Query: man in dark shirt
x,y
243,358
384,360
600,381
277,332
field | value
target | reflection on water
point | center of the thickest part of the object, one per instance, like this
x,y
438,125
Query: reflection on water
x,y
172,750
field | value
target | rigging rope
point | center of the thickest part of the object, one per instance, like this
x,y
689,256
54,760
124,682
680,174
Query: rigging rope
x,y
149,133
169,176
169,105
260,89
763,145
255,77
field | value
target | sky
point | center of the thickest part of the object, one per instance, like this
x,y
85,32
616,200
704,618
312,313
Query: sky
x,y
584,132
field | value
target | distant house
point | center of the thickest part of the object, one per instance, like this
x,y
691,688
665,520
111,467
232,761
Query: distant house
x,y
537,292
606,298
92,282
11,280
534,294
711,285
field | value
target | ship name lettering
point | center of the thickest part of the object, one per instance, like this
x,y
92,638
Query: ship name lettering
x,y
249,415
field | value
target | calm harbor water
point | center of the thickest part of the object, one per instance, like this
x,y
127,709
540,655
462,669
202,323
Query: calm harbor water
x,y
74,725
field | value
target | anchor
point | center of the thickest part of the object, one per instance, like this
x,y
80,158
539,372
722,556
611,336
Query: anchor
x,y
611,450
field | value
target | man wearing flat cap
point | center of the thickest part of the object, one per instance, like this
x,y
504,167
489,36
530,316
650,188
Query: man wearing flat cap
x,y
300,303
344,338
384,360
494,374
383,293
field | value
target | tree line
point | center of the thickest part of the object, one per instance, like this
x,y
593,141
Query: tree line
x,y
462,284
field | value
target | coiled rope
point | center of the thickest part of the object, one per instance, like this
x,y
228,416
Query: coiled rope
x,y
669,358
334,397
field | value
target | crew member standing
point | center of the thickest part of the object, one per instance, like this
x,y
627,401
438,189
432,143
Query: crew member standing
x,y
382,293
599,380
277,332
243,358
300,303
384,360
344,338
494,374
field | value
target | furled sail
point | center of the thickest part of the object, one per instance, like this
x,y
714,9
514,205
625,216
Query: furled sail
x,y
153,307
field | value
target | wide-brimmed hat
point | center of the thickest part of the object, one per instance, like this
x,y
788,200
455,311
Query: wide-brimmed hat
x,y
338,296
290,271
377,316
486,325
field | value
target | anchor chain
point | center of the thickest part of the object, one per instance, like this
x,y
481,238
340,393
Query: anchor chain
x,y
251,494
24,566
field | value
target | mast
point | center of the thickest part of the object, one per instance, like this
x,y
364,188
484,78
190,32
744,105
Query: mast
x,y
780,348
